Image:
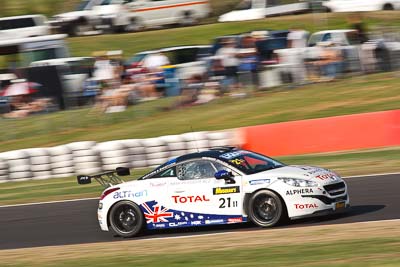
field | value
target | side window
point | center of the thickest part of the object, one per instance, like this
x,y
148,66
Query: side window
x,y
220,167
198,169
327,37
171,172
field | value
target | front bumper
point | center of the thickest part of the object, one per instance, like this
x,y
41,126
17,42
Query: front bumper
x,y
317,205
324,212
102,217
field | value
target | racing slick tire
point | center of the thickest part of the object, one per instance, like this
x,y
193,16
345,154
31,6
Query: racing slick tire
x,y
266,209
126,219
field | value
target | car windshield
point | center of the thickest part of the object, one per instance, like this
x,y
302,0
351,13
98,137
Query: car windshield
x,y
249,162
82,5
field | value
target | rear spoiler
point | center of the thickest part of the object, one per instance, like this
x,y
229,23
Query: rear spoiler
x,y
106,179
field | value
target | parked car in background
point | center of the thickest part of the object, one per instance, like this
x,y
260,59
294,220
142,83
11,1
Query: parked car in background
x,y
74,72
133,15
360,5
258,9
78,22
23,26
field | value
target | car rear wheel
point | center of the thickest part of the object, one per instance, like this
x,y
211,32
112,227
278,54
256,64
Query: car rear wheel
x,y
126,219
266,208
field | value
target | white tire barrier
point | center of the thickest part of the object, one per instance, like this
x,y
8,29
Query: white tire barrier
x,y
137,153
89,157
18,165
40,163
113,154
3,170
62,161
85,157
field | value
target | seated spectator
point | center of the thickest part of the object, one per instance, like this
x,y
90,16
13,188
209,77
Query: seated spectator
x,y
21,109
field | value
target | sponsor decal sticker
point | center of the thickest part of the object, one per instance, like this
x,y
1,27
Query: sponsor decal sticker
x,y
159,225
129,194
326,177
235,220
226,190
196,223
259,181
178,224
299,191
305,206
214,221
156,214
232,155
190,199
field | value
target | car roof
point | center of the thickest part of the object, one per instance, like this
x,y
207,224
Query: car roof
x,y
211,153
23,17
59,61
335,31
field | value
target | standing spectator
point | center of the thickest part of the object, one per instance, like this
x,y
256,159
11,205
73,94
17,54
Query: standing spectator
x,y
103,70
297,40
249,62
228,54
154,62
330,61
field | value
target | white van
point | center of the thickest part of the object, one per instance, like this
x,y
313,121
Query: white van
x,y
23,26
133,15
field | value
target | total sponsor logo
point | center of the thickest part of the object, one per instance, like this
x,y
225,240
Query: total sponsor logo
x,y
226,190
235,220
326,176
259,181
190,199
301,191
129,194
305,206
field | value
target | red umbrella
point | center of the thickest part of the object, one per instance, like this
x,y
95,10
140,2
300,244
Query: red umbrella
x,y
21,88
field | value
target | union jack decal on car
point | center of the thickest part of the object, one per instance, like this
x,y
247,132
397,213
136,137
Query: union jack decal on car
x,y
156,214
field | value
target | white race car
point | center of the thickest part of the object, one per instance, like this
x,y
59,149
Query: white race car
x,y
219,186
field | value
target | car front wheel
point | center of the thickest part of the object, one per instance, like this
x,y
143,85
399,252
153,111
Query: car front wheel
x,y
126,219
266,208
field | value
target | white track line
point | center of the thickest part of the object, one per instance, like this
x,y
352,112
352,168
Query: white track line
x,y
93,198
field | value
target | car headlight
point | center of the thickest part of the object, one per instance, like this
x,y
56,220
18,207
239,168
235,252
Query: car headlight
x,y
298,182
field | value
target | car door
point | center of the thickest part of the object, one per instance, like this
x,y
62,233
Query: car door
x,y
197,197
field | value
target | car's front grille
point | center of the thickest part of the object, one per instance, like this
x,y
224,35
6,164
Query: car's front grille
x,y
327,200
335,189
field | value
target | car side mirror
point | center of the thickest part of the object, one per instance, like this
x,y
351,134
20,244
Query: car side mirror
x,y
122,171
225,175
84,179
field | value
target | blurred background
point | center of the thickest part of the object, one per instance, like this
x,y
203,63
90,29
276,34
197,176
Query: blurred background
x,y
86,86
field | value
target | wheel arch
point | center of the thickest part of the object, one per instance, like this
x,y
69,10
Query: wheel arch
x,y
115,203
247,197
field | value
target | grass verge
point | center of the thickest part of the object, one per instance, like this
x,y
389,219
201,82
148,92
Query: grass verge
x,y
358,244
346,163
348,96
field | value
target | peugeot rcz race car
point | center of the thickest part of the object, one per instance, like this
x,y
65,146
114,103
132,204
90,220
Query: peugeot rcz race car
x,y
218,186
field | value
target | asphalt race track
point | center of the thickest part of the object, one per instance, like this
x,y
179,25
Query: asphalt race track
x,y
372,198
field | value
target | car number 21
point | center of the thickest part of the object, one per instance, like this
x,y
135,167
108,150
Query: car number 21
x,y
226,202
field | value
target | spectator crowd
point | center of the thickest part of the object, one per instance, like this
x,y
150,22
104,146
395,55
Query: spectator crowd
x,y
236,65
